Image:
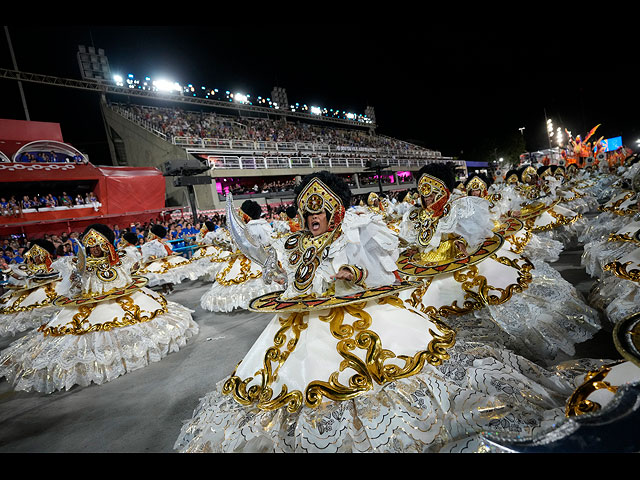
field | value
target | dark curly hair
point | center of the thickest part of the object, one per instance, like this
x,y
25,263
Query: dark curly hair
x,y
291,212
442,171
252,209
210,225
158,230
46,244
130,237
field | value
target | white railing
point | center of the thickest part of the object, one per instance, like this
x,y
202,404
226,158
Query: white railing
x,y
251,162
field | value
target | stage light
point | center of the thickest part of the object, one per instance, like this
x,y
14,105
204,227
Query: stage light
x,y
240,98
166,86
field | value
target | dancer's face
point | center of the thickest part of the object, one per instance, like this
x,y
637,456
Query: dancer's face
x,y
96,251
317,223
428,200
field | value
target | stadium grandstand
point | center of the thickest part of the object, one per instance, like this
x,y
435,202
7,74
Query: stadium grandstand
x,y
258,157
214,142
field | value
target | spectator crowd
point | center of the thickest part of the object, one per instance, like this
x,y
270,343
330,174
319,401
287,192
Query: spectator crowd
x,y
47,157
174,122
14,207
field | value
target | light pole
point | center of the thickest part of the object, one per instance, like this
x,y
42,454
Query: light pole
x,y
15,66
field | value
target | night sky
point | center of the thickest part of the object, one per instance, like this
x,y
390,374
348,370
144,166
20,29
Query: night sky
x,y
448,88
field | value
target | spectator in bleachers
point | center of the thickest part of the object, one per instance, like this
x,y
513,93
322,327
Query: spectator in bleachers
x,y
4,207
199,125
66,200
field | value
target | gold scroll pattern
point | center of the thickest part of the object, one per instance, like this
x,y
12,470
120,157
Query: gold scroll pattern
x,y
371,370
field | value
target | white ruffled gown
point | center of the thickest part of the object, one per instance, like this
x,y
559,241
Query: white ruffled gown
x,y
30,304
522,303
214,252
240,280
615,262
98,341
376,376
615,214
162,267
525,241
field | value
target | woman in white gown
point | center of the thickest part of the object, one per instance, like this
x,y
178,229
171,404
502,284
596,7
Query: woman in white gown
x,y
162,265
109,324
484,288
240,280
215,249
32,287
347,366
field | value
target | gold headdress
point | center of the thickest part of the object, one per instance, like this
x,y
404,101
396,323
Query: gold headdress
x,y
527,174
476,183
428,185
37,259
93,238
317,197
512,179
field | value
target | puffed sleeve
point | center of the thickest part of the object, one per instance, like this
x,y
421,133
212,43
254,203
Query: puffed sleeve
x,y
470,218
369,245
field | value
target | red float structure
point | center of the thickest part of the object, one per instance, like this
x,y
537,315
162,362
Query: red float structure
x,y
35,160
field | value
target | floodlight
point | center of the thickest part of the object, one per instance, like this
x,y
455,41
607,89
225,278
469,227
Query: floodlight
x,y
241,98
166,86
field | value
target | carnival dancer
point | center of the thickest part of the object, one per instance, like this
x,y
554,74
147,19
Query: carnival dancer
x,y
504,204
621,209
215,249
162,266
482,287
109,324
239,281
32,287
346,366
550,219
128,244
574,193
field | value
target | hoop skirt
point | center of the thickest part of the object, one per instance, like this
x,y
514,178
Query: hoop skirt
x,y
237,283
618,292
313,384
30,304
106,331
